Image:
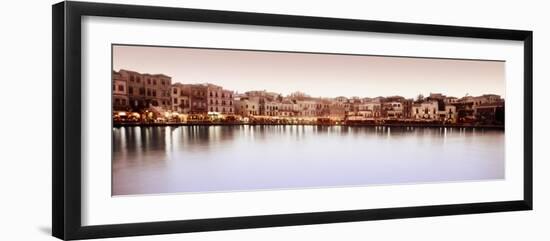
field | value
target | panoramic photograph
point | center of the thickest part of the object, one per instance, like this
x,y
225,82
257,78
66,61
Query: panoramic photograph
x,y
197,120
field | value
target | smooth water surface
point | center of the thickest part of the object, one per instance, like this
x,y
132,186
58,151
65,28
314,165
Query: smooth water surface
x,y
151,160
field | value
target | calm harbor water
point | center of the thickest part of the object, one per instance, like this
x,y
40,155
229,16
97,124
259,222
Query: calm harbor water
x,y
151,160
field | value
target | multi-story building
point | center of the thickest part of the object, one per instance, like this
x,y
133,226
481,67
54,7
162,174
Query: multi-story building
x,y
219,100
198,98
486,108
288,108
392,107
486,99
490,113
427,110
146,90
271,108
337,111
247,106
392,110
370,109
266,101
181,98
323,107
306,108
120,93
451,114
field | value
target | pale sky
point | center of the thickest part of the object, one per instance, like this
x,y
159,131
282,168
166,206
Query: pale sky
x,y
319,75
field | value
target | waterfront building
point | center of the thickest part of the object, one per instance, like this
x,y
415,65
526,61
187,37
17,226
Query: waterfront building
x,y
219,99
490,113
427,110
337,111
469,108
407,108
365,110
267,101
371,109
306,108
247,106
449,114
392,107
120,93
146,90
271,108
392,110
181,98
288,108
198,99
322,107
487,99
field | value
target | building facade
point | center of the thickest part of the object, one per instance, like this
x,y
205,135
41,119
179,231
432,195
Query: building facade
x,y
427,110
145,90
120,93
219,100
181,98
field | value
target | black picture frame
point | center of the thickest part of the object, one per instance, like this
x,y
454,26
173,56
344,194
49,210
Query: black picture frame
x,y
66,127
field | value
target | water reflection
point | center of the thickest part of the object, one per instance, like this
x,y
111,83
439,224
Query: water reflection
x,y
231,158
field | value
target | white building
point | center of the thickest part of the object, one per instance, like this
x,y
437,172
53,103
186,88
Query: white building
x,y
426,110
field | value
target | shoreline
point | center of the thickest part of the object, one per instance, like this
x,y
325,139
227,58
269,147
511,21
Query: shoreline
x,y
131,124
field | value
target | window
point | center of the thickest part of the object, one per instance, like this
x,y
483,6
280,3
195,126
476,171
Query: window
x,y
148,81
162,82
155,82
131,90
154,93
121,88
114,87
139,79
131,78
175,101
123,101
175,91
